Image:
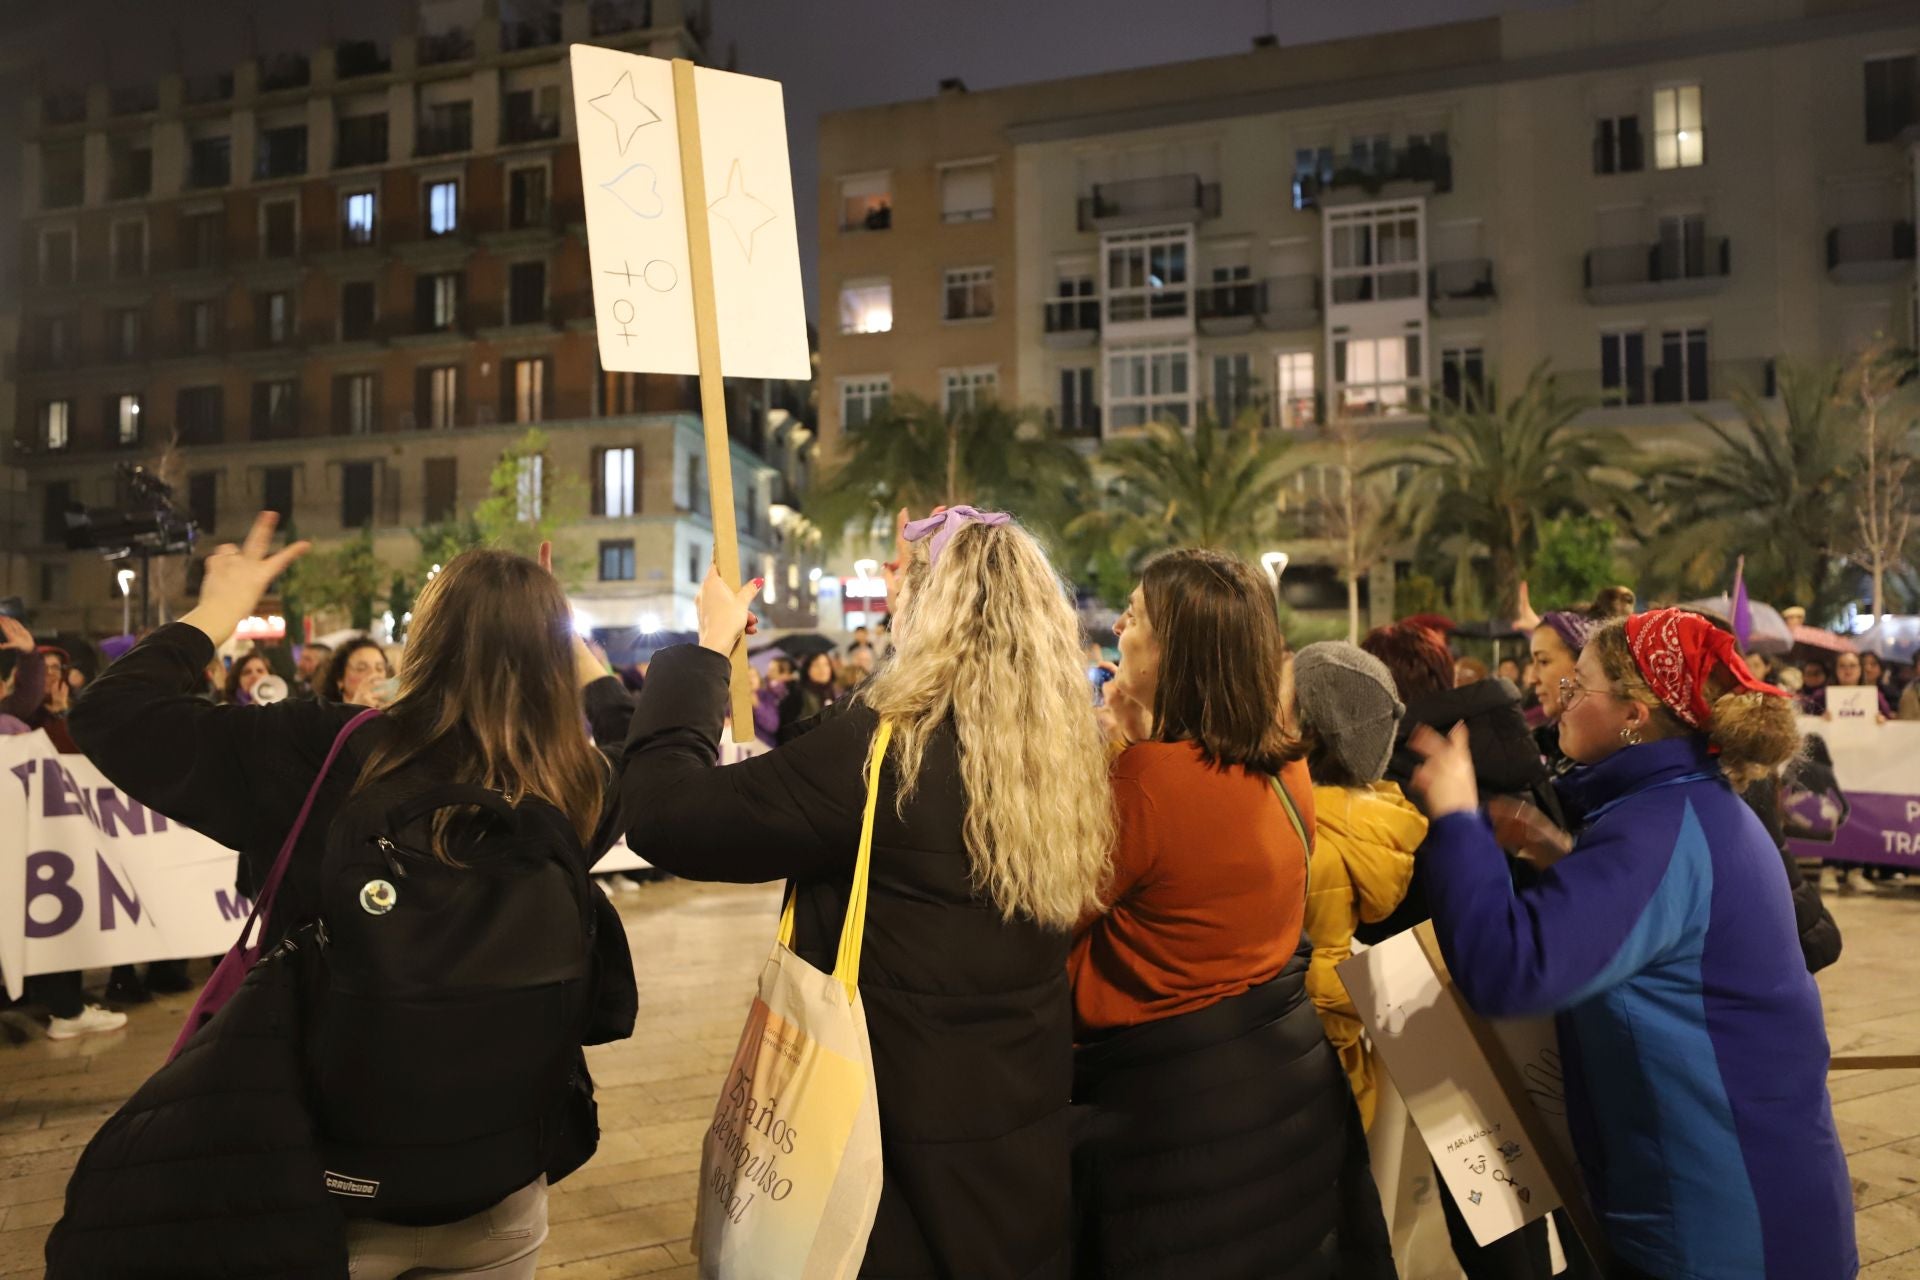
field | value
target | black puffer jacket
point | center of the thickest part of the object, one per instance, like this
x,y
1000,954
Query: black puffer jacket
x,y
1819,935
1225,1143
1506,762
970,1016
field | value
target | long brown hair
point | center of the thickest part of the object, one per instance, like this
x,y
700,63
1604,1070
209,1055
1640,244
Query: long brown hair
x,y
1222,660
488,682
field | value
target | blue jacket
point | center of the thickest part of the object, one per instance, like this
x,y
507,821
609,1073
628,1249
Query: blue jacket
x,y
1692,1034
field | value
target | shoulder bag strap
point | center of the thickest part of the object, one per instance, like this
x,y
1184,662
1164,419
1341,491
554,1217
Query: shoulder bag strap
x,y
846,966
263,904
1299,827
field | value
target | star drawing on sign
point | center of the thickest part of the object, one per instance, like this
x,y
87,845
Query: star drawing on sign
x,y
628,114
742,211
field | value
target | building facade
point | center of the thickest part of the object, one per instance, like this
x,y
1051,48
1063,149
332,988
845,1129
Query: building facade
x,y
1658,202
338,284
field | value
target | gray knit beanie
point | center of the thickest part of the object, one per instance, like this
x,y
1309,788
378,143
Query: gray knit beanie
x,y
1346,697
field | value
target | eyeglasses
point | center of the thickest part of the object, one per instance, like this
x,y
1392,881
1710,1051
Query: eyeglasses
x,y
1571,691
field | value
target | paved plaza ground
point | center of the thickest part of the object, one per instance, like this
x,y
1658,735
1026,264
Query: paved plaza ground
x,y
697,950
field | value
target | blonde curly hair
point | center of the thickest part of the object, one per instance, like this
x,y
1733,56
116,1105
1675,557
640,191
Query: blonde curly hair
x,y
992,641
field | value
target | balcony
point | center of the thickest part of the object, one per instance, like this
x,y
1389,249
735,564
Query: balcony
x,y
1376,284
1073,322
1409,171
1227,308
284,71
210,86
1462,288
444,139
611,17
447,46
353,59
1671,269
1140,202
530,33
63,106
1290,302
523,127
1662,385
1869,252
133,100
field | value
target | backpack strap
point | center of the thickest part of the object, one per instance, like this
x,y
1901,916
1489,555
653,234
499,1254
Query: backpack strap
x,y
1299,827
448,796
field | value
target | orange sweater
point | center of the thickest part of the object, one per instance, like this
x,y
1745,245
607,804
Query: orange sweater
x,y
1208,889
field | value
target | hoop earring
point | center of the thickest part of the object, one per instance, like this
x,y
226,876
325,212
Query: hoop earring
x,y
1630,736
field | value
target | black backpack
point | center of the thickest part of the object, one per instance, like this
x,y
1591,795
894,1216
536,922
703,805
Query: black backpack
x,y
444,1044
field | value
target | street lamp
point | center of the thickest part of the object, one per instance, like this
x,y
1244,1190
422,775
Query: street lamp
x,y
125,577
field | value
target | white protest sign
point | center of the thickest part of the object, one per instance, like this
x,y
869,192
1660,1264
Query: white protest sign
x,y
91,878
630,174
1486,1152
1853,704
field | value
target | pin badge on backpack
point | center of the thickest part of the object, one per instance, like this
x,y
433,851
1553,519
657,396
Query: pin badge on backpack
x,y
377,897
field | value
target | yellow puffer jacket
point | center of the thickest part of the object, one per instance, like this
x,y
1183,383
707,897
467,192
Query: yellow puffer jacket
x,y
1363,844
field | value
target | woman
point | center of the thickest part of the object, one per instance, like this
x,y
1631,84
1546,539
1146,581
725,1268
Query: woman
x,y
240,775
1365,830
1813,686
1208,1078
992,837
811,692
1665,946
243,676
1877,673
1849,672
1557,642
357,673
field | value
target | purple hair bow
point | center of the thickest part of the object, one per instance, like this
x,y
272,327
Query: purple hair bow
x,y
944,524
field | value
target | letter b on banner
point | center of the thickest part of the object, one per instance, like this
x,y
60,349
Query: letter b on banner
x,y
50,874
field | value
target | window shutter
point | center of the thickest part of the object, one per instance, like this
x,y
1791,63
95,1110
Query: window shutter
x,y
966,192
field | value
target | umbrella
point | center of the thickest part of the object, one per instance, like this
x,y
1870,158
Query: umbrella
x,y
1770,633
1819,638
1894,638
804,644
765,656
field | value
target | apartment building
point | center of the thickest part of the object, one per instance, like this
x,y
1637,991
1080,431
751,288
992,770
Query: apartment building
x,y
1660,202
338,284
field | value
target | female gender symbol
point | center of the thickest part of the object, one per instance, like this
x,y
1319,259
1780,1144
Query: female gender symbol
x,y
660,275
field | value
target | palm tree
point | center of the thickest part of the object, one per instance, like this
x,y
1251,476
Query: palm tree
x,y
1214,486
1488,476
1778,489
915,456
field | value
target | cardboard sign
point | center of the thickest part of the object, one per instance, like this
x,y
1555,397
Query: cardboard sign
x,y
1873,814
1487,1098
637,235
1853,704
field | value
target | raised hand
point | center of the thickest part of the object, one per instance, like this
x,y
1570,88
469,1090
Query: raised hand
x,y
14,635
1445,782
725,612
237,576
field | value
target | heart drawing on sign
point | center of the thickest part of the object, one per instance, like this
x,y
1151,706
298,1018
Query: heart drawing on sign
x,y
638,188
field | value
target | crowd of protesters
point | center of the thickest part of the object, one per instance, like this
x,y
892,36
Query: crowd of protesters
x,y
1101,944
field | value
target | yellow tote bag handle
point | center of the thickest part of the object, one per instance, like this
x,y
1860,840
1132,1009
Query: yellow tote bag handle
x,y
846,965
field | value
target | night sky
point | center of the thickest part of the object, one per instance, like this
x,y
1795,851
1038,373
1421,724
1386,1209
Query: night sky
x,y
831,54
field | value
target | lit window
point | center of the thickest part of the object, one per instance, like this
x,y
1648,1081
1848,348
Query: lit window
x,y
1377,375
1679,133
1295,401
56,424
359,218
866,306
969,293
528,488
864,399
443,208
866,202
529,390
616,482
1375,253
1147,275
966,192
1149,384
127,420
965,389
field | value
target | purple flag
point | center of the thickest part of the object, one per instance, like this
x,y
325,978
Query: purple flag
x,y
1742,611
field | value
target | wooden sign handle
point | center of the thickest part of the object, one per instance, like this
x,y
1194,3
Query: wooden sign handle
x,y
713,400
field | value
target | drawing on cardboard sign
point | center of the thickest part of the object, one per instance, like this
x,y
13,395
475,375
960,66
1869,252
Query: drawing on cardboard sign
x,y
742,211
637,188
628,114
660,275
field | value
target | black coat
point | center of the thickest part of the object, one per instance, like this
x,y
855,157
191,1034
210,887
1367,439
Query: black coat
x,y
1819,935
1225,1143
970,1016
1506,762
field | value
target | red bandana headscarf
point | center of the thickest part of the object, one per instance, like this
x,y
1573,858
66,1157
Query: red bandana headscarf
x,y
1676,651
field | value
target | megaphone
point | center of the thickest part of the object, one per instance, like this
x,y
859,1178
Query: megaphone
x,y
270,689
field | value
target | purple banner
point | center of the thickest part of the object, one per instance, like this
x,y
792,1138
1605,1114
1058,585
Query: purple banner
x,y
1865,826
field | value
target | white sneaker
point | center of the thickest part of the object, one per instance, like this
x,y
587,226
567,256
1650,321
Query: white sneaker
x,y
625,884
91,1019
